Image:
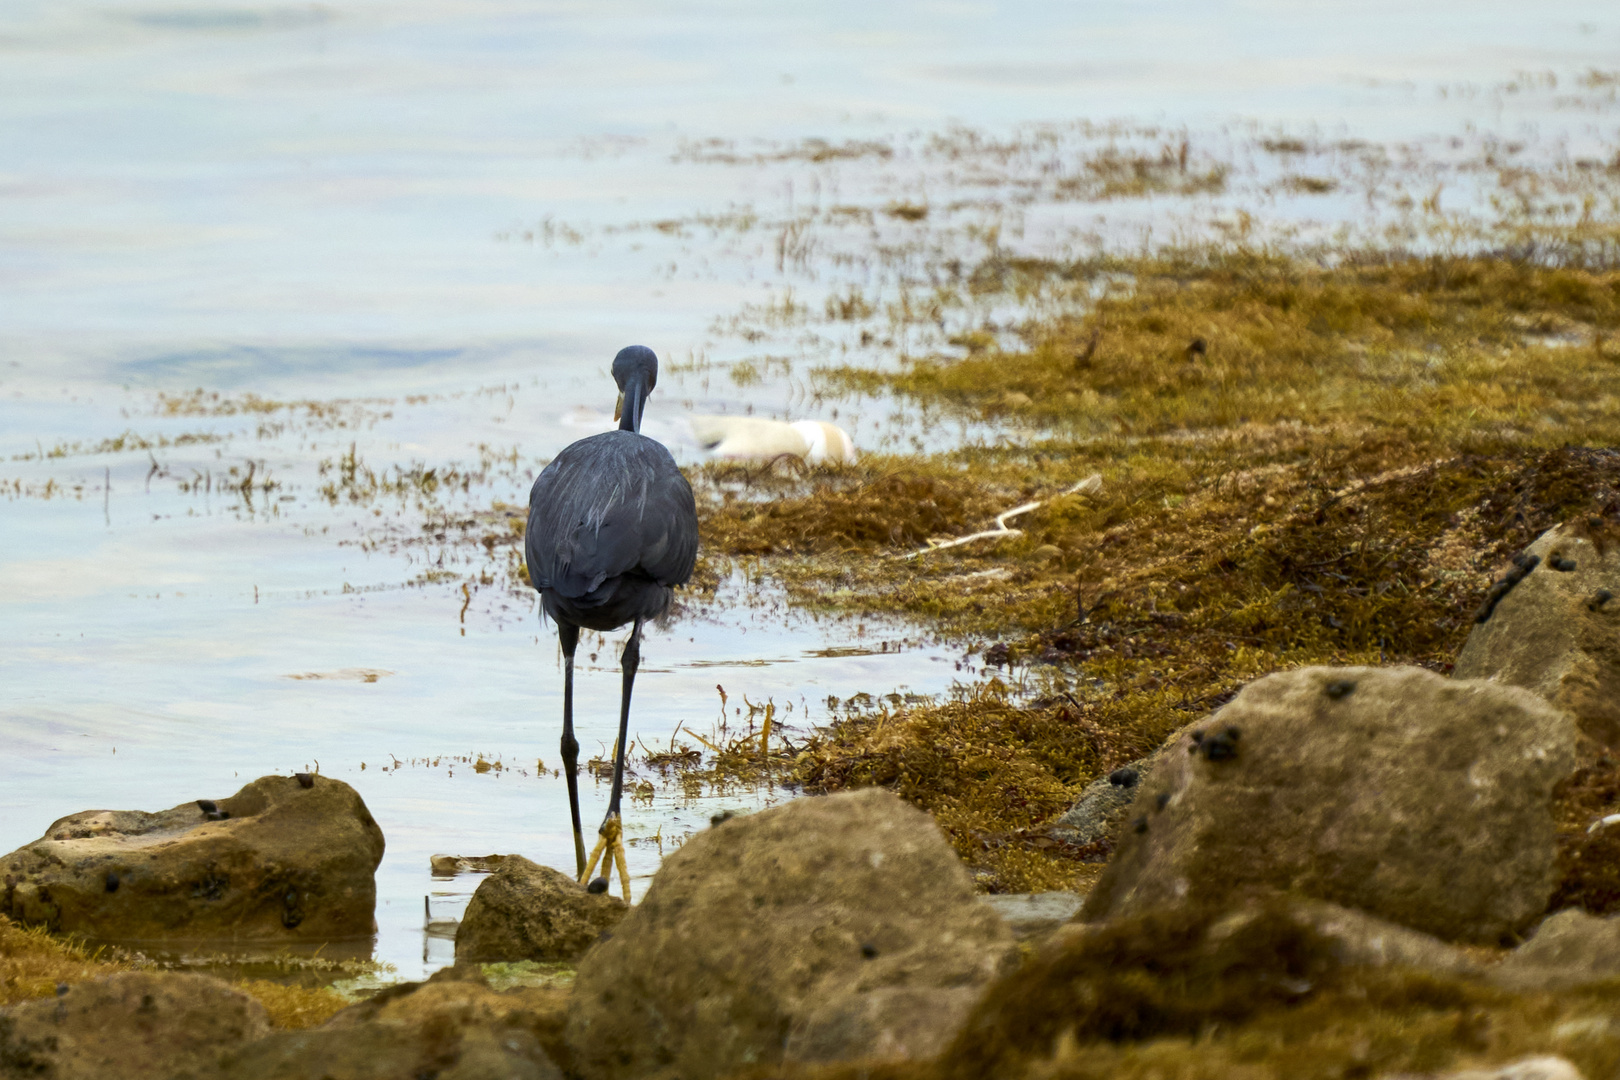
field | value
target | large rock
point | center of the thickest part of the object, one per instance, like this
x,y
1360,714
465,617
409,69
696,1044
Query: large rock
x,y
1420,799
276,862
450,1028
827,929
1569,949
525,911
130,1026
1552,624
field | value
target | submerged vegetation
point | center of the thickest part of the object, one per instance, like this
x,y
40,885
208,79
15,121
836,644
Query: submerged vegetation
x,y
33,964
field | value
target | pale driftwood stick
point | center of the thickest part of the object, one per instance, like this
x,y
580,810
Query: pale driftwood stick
x,y
1089,486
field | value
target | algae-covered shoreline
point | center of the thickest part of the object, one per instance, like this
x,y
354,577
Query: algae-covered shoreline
x,y
1302,462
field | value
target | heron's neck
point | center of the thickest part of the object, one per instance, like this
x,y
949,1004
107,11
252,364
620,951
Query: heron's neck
x,y
635,398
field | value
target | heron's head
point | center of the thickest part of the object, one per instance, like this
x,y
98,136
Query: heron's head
x,y
635,369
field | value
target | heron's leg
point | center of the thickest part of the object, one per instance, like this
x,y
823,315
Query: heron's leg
x,y
612,830
568,637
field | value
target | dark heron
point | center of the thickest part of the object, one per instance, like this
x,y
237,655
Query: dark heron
x,y
612,532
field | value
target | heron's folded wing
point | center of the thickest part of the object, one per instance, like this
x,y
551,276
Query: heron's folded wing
x,y
670,560
615,509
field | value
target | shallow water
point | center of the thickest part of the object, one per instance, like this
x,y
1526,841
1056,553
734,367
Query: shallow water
x,y
435,223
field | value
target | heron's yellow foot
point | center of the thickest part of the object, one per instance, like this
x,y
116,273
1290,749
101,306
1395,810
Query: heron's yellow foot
x,y
610,850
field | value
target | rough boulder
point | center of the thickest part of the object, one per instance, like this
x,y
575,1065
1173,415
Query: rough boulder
x,y
1552,624
1423,800
827,929
525,911
276,862
133,1026
453,1027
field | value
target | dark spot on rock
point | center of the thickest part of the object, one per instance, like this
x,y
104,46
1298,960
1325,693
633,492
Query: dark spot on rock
x,y
292,914
868,950
148,1003
1523,563
716,820
1221,746
1339,688
1163,800
1599,598
1561,562
211,887
112,882
597,887
1139,825
207,806
306,780
217,815
1123,777
1197,347
61,989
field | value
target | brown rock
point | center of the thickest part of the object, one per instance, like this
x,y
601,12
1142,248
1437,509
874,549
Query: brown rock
x,y
130,1026
827,929
1352,938
1569,949
1557,630
289,863
889,1023
1362,940
525,911
453,1027
1419,799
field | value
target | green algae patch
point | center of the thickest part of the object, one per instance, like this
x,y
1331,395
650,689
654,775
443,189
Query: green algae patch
x,y
508,974
989,770
1298,462
881,504
294,1007
33,963
1219,337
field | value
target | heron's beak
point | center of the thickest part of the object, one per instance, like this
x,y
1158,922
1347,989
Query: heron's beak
x,y
618,408
631,403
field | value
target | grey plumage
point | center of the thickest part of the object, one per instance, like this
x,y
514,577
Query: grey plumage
x,y
612,532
